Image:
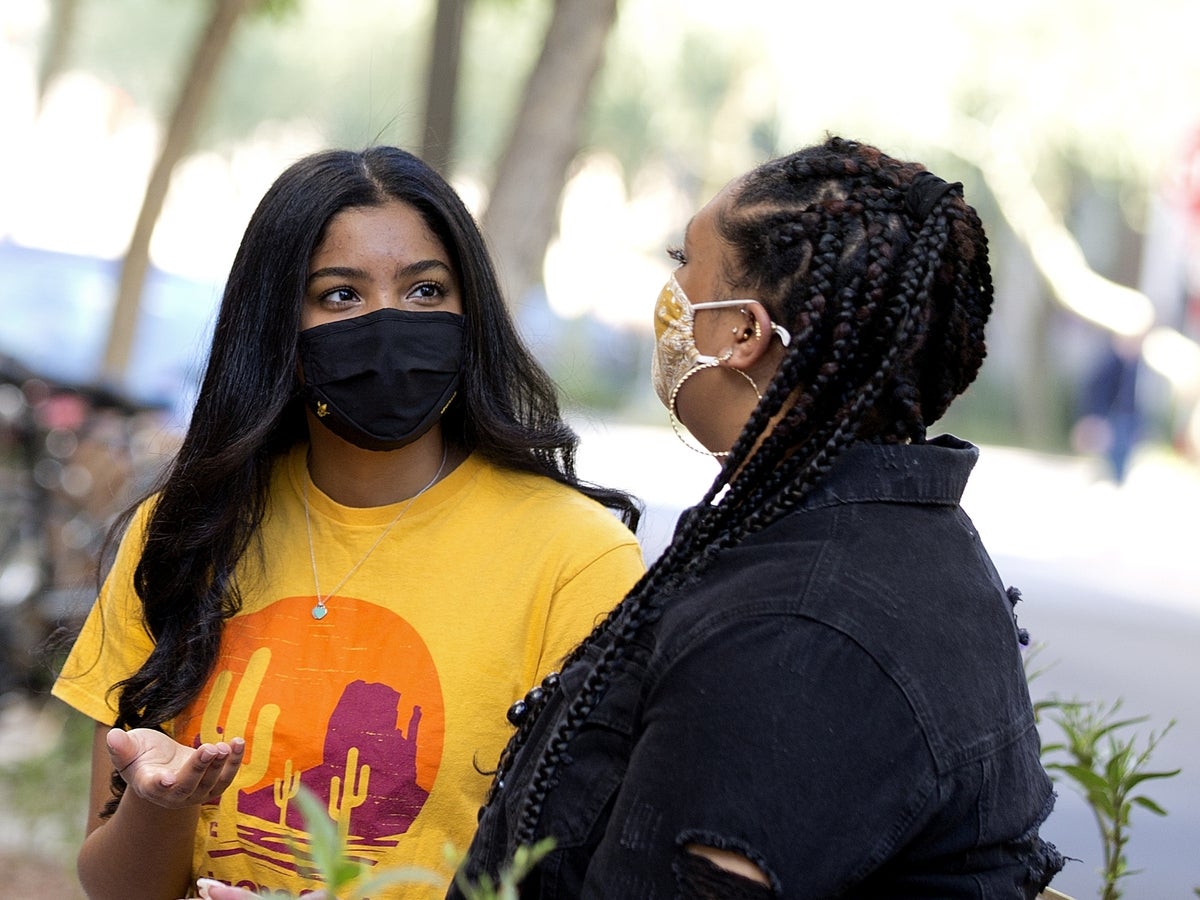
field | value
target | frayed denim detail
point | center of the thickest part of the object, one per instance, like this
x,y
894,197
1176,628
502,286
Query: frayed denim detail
x,y
699,878
640,827
731,845
1042,858
1014,597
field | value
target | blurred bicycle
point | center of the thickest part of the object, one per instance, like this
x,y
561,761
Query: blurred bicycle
x,y
71,458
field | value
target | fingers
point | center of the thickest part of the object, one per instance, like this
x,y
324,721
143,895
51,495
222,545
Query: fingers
x,y
172,775
222,769
211,889
207,771
214,890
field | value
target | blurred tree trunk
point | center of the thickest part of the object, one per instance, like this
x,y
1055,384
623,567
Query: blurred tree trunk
x,y
441,84
64,21
522,214
196,86
1040,404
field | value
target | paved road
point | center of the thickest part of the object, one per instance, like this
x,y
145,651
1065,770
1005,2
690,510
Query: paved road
x,y
1111,591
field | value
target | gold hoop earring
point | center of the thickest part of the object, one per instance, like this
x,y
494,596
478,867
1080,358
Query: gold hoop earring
x,y
728,355
753,385
680,429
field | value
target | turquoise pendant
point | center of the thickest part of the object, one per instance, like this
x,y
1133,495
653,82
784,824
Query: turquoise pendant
x,y
319,612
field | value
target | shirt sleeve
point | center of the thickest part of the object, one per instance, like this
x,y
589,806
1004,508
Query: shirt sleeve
x,y
586,598
113,643
781,740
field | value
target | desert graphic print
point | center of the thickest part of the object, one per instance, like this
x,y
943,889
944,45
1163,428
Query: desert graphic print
x,y
350,707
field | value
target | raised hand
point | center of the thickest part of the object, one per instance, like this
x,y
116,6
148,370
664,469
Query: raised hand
x,y
167,773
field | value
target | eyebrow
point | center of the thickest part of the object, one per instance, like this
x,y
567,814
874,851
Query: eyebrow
x,y
336,272
419,267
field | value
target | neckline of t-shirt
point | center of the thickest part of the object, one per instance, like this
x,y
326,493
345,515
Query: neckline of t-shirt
x,y
321,504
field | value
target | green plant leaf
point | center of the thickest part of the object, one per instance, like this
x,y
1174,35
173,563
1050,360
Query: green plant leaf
x,y
1105,767
1115,770
524,860
1137,779
1085,776
1110,727
1147,803
403,875
326,852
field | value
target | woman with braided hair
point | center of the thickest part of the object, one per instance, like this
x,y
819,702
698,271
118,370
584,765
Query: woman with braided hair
x,y
817,690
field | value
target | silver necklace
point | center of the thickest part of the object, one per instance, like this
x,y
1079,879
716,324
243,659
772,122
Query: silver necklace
x,y
319,611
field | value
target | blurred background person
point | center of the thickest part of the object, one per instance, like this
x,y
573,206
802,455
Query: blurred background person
x,y
1111,420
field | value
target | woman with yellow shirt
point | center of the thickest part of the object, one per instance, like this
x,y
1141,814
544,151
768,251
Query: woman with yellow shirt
x,y
371,539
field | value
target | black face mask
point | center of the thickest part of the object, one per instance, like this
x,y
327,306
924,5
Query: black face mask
x,y
382,380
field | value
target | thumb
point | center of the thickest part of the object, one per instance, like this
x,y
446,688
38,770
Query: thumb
x,y
121,748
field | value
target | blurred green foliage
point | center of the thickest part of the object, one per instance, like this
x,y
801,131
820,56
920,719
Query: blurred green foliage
x,y
695,102
1107,765
45,794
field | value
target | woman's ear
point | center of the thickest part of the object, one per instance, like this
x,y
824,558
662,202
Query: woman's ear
x,y
753,339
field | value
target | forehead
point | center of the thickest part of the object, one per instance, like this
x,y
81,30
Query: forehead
x,y
392,228
701,230
705,276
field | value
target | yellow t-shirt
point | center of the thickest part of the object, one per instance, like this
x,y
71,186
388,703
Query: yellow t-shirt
x,y
385,707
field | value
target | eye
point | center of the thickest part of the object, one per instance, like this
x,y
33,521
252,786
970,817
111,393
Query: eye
x,y
338,298
426,291
676,253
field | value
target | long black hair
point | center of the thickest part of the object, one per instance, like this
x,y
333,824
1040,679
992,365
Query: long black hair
x,y
210,504
880,272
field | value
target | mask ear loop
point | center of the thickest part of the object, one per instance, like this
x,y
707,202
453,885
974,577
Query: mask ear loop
x,y
681,431
785,336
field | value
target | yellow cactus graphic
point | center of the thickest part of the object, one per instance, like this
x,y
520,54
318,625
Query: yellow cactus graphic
x,y
258,744
344,797
285,789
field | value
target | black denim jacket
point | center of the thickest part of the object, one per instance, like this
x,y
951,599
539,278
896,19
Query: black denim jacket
x,y
840,699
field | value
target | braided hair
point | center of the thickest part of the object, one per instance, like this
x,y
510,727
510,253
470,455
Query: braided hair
x,y
880,272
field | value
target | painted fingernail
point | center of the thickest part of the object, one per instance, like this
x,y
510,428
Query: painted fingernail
x,y
203,884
